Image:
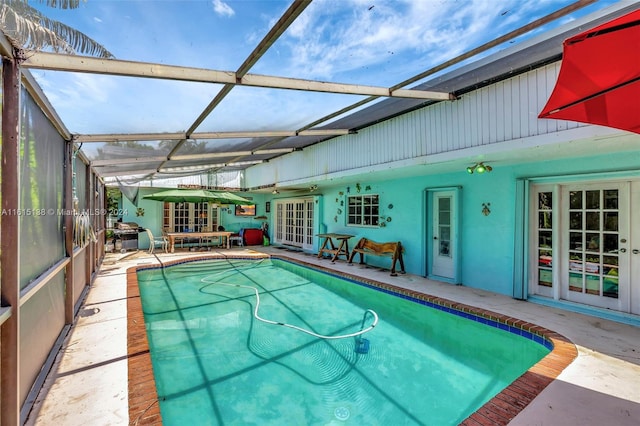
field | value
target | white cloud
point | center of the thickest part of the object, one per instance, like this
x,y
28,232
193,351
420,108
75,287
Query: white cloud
x,y
337,40
223,9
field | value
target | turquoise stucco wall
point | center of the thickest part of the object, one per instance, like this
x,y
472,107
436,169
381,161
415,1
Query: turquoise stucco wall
x,y
487,242
486,250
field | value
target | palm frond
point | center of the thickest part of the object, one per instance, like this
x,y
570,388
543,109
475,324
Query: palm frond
x,y
62,4
29,29
56,4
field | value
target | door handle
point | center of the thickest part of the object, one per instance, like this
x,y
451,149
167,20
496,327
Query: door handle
x,y
435,238
622,250
635,251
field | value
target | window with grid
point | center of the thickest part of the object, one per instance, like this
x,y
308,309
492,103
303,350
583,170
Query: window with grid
x,y
363,210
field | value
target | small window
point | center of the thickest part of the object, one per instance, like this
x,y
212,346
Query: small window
x,y
363,210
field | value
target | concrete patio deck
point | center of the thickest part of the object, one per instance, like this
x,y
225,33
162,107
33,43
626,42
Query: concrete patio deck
x,y
88,383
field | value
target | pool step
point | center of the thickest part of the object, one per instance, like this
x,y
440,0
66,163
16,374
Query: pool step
x,y
210,267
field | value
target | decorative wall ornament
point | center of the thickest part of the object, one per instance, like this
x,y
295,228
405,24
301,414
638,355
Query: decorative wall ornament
x,y
383,220
485,209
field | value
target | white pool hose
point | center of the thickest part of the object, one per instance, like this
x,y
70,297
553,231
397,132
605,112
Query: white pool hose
x,y
321,336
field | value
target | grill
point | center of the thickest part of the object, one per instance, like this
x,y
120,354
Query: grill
x,y
127,234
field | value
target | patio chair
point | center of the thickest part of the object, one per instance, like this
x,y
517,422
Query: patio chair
x,y
153,242
236,238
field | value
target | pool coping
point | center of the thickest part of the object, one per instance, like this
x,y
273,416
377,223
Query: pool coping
x,y
500,410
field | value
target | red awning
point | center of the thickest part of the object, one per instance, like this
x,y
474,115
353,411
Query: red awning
x,y
599,80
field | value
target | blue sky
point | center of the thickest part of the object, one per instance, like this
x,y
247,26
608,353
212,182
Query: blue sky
x,y
378,43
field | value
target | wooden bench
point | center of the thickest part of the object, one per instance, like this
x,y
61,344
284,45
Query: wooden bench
x,y
393,250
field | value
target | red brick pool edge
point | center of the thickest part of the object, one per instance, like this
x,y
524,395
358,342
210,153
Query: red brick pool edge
x,y
500,410
143,398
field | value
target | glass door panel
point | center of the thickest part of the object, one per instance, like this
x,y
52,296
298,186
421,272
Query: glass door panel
x,y
444,226
593,233
201,217
544,233
309,225
181,217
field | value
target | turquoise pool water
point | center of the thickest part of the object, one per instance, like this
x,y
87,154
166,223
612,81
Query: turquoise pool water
x,y
215,363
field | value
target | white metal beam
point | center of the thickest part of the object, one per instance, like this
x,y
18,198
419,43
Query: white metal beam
x,y
124,137
203,167
85,64
150,137
208,155
325,132
114,161
341,88
241,134
128,173
231,154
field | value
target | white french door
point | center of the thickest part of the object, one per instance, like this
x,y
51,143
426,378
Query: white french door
x,y
294,222
586,244
190,217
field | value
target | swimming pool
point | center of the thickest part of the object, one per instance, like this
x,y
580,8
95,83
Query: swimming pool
x,y
216,364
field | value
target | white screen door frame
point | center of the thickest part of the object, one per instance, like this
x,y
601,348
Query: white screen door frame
x,y
443,234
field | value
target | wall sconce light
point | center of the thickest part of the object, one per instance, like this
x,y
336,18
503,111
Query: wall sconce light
x,y
275,192
479,168
313,188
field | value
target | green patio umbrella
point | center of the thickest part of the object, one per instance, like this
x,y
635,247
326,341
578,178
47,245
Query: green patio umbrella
x,y
197,196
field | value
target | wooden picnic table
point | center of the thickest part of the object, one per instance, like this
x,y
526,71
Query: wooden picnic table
x,y
173,236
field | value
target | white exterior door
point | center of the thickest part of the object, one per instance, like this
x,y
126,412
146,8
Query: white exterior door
x,y
586,244
443,234
294,222
634,249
